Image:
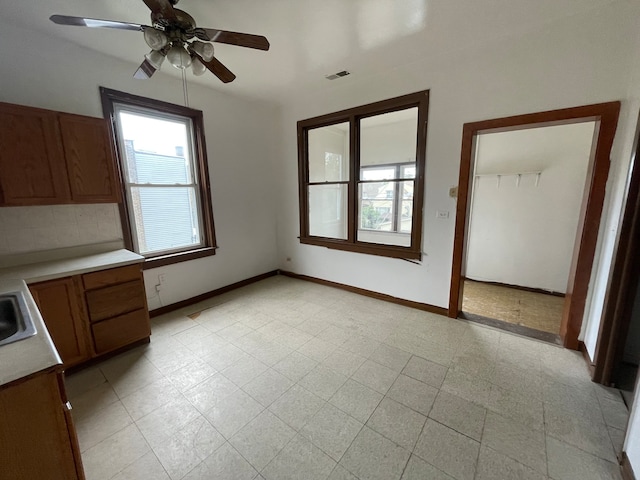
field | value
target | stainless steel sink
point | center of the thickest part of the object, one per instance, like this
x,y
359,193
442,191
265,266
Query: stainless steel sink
x,y
15,321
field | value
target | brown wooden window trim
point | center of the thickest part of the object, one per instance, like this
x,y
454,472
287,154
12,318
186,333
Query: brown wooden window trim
x,y
111,97
352,116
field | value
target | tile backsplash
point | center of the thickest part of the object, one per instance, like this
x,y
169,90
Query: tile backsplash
x,y
32,229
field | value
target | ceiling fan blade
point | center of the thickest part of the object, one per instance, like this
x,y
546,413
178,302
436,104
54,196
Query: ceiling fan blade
x,y
216,67
145,70
163,8
94,23
240,39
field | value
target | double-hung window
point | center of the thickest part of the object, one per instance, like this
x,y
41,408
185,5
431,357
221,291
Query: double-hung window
x,y
163,170
362,177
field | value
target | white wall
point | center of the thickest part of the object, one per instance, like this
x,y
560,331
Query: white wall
x,y
580,60
524,234
241,145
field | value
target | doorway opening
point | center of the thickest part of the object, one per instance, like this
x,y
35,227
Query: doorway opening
x,y
579,241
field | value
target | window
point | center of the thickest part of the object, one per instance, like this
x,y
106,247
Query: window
x,y
167,215
362,177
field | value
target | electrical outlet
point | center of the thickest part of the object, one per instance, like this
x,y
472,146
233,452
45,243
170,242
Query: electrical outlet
x,y
442,215
162,278
288,259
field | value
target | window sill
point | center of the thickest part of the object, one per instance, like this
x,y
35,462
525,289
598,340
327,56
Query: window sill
x,y
171,258
367,248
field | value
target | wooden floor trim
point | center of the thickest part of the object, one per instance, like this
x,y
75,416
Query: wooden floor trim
x,y
212,293
368,293
585,354
518,287
625,468
512,328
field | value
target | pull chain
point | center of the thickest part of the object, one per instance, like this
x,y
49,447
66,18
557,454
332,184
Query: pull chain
x,y
184,87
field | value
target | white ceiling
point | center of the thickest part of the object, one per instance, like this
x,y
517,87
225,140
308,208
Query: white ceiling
x,y
309,38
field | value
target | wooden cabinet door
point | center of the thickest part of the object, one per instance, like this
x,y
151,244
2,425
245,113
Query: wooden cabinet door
x,y
32,168
89,158
35,437
58,303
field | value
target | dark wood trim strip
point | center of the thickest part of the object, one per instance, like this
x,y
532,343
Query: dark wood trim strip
x,y
623,279
368,293
512,327
585,354
625,468
518,287
212,293
606,117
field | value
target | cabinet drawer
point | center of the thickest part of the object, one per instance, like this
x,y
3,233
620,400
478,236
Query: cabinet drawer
x,y
112,276
116,300
117,332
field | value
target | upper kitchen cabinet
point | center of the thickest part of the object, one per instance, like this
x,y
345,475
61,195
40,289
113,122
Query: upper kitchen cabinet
x,y
32,166
89,159
50,158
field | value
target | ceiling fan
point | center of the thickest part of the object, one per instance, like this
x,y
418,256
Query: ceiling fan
x,y
173,35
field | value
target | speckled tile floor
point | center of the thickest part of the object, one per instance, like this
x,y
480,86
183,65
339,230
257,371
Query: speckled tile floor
x,y
530,309
286,379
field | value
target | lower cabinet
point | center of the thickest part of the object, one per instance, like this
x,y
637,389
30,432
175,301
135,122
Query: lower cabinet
x,y
95,313
61,308
37,436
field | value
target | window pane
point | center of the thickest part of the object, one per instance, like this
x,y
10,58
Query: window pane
x,y
157,149
406,207
390,138
385,213
328,211
166,218
329,153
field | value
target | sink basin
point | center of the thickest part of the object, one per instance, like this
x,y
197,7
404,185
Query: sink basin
x,y
15,321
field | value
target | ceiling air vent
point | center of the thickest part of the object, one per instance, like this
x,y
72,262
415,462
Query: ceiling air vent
x,y
333,76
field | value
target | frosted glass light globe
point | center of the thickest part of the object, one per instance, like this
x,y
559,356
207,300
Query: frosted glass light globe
x,y
179,57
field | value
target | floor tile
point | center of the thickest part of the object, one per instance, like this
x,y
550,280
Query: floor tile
x,y
322,381
361,345
129,372
615,413
268,387
343,362
233,412
294,338
569,463
390,357
590,436
459,414
449,451
261,439
103,423
397,422
428,372
244,370
147,466
299,460
205,395
356,400
317,349
340,473
90,401
114,454
296,406
516,441
272,353
295,366
493,465
418,469
80,382
191,375
527,410
149,398
375,376
470,388
373,457
331,430
224,464
413,393
234,331
224,357
163,422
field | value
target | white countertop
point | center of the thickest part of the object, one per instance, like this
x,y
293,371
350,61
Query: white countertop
x,y
37,352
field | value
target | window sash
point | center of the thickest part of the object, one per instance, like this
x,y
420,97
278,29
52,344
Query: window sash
x,y
353,117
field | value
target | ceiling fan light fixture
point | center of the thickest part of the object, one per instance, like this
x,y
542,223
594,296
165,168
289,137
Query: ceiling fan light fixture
x,y
155,58
204,49
198,68
179,57
155,38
